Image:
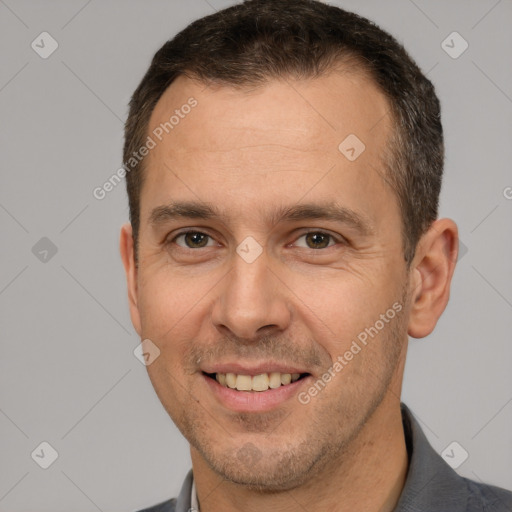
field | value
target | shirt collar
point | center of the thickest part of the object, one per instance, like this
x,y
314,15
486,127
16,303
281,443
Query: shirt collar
x,y
194,505
430,484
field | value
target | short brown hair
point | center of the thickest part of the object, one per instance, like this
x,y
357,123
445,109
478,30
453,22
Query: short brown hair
x,y
259,40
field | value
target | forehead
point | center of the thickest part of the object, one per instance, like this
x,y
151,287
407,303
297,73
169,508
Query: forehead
x,y
291,112
289,133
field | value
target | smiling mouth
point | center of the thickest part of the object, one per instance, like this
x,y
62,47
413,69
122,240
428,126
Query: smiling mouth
x,y
259,383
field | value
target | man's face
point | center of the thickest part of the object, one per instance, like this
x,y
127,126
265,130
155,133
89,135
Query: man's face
x,y
265,282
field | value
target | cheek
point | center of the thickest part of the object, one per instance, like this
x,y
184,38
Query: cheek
x,y
170,312
341,304
168,303
169,309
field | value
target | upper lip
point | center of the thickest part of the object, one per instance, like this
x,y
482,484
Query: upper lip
x,y
252,369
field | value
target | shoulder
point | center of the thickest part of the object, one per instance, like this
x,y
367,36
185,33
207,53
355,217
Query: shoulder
x,y
181,503
166,506
487,498
433,485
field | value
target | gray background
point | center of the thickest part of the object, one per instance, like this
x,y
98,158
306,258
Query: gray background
x,y
68,375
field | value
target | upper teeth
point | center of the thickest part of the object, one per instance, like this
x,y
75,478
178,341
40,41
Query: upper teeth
x,y
257,383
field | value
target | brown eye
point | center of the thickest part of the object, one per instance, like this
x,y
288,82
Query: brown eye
x,y
193,240
317,240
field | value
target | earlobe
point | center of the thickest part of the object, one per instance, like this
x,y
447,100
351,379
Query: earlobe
x,y
432,271
126,248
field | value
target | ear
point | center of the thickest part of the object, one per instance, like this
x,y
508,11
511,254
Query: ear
x,y
431,274
126,248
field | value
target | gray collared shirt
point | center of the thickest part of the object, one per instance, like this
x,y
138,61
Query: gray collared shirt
x,y
431,484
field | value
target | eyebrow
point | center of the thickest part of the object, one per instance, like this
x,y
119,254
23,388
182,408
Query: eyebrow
x,y
309,211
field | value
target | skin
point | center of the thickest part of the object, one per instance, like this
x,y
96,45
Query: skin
x,y
247,152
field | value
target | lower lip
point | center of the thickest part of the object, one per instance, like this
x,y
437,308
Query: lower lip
x,y
254,401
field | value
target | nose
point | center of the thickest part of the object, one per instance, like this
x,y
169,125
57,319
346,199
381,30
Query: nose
x,y
252,301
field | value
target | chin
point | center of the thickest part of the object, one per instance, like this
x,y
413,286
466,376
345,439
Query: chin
x,y
265,470
262,479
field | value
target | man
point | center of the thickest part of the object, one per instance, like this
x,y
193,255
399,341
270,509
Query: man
x,y
284,163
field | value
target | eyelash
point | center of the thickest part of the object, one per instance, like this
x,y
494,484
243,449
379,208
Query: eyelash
x,y
337,240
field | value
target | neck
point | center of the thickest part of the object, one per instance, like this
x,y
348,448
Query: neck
x,y
368,476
